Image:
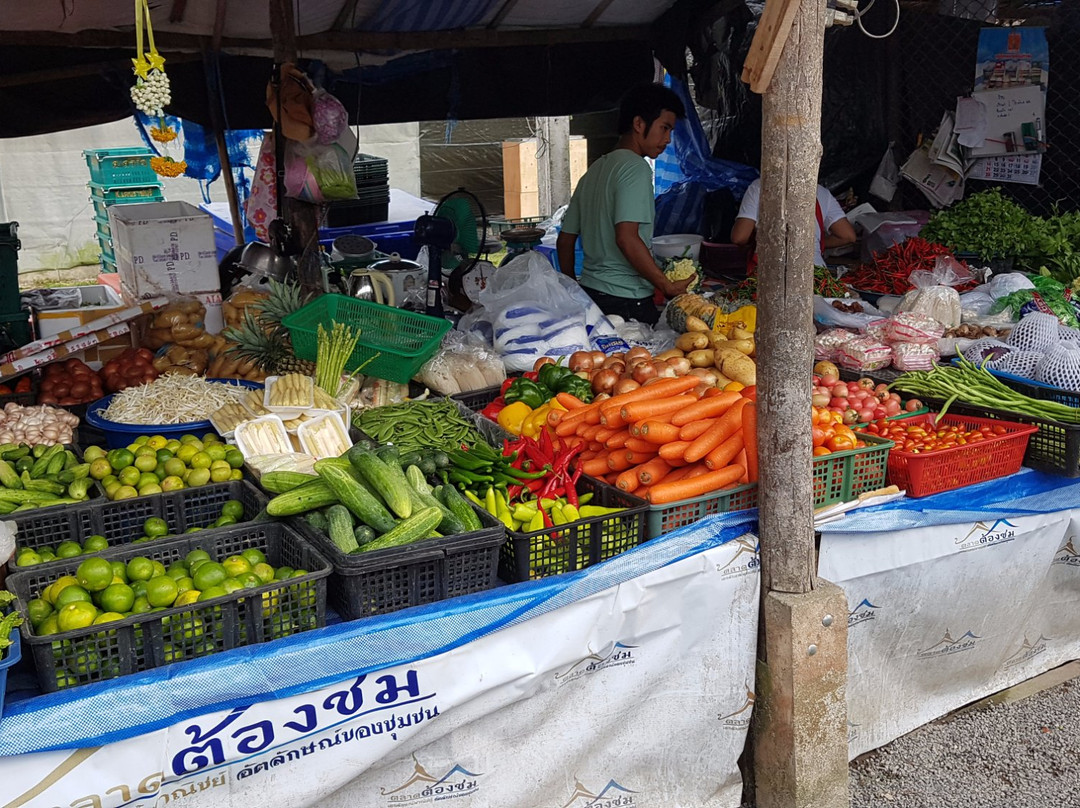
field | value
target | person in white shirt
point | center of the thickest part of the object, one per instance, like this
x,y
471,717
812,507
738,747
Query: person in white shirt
x,y
833,228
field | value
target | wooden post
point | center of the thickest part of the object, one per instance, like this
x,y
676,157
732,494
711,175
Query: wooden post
x,y
301,216
800,716
214,97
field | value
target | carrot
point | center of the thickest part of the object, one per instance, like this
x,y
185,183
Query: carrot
x,y
726,425
553,417
569,401
674,451
618,439
612,419
678,473
637,458
697,470
603,433
706,408
597,446
590,431
591,417
658,432
659,389
569,422
686,488
726,452
639,410
639,445
596,466
654,471
618,461
588,454
695,429
628,480
712,391
741,460
750,440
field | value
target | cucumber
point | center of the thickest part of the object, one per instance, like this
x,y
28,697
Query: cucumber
x,y
353,495
303,498
8,477
460,508
392,487
317,519
278,482
416,527
363,534
442,460
427,465
410,458
340,528
386,454
422,498
41,465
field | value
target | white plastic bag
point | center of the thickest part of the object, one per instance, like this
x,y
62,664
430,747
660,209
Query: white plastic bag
x,y
827,314
529,310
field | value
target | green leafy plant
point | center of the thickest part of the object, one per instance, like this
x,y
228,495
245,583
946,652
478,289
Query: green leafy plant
x,y
987,224
9,622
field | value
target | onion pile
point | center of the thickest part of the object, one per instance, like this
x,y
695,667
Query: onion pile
x,y
40,424
622,372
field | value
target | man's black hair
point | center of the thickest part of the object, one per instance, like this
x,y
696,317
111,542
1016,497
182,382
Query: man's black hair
x,y
648,101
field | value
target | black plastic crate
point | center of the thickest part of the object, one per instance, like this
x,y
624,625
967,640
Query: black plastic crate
x,y
28,399
369,169
580,544
121,521
430,570
475,400
355,211
1055,448
140,642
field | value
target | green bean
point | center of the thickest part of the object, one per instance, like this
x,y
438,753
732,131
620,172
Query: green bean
x,y
418,424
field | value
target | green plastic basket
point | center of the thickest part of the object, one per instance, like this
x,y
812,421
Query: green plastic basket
x,y
397,341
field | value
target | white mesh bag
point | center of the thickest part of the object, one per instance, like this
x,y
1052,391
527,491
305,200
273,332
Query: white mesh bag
x,y
1060,366
1035,332
986,348
1018,363
1066,333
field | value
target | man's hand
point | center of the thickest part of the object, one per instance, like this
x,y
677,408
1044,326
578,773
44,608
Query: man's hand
x,y
676,288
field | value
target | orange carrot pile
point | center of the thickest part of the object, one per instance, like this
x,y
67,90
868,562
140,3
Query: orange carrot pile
x,y
662,442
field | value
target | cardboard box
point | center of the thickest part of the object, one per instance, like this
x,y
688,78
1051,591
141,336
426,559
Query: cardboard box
x,y
95,302
164,248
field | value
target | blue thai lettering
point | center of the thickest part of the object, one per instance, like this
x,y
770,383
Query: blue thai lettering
x,y
377,728
363,732
205,749
405,722
348,734
292,754
255,742
392,688
247,771
431,711
310,718
348,701
277,759
326,743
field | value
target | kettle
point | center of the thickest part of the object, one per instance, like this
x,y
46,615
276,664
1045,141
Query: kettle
x,y
368,284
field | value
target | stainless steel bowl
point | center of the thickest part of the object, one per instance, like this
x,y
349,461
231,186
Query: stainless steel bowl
x,y
260,259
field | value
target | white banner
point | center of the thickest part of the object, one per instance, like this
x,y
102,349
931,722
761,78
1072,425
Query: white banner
x,y
637,695
944,615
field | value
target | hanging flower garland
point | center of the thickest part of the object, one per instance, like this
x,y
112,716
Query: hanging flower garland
x,y
151,93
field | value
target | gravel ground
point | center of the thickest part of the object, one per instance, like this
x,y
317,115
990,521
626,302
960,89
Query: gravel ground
x,y
1020,755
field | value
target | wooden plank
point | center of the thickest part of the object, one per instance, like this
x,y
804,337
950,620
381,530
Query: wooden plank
x,y
769,39
579,160
519,166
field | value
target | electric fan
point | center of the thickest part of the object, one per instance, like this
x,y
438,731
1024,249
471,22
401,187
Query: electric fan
x,y
452,234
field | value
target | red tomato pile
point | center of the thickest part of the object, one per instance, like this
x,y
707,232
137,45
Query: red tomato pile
x,y
830,433
923,437
132,368
69,382
859,402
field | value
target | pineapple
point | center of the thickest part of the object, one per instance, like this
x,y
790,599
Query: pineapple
x,y
264,340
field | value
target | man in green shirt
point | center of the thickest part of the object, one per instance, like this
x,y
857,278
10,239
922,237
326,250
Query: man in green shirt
x,y
612,211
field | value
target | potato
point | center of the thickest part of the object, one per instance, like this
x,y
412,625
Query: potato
x,y
741,333
696,324
739,367
743,346
702,358
717,340
674,353
692,341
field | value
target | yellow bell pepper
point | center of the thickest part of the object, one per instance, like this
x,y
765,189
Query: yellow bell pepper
x,y
512,416
535,421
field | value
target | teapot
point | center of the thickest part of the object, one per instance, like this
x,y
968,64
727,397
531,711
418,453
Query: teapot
x,y
369,284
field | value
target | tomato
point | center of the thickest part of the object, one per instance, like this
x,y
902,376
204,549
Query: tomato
x,y
819,451
817,435
840,443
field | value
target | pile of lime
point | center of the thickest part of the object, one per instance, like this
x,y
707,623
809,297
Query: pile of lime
x,y
155,527
154,463
102,591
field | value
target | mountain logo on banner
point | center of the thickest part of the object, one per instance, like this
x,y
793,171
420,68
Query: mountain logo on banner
x,y
740,719
1067,554
615,656
947,645
1027,650
745,561
863,613
611,795
422,788
1000,532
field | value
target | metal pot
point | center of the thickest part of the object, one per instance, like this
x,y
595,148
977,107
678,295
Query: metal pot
x,y
409,280
369,284
260,259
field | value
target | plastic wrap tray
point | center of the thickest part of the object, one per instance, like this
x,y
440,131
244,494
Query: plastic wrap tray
x,y
580,544
121,521
144,641
932,472
381,581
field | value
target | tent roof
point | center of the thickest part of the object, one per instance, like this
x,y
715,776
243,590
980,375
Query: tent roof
x,y
68,64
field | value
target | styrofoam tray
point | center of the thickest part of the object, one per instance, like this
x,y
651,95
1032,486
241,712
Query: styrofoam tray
x,y
286,413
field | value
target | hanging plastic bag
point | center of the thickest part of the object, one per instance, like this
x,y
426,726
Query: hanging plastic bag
x,y
321,173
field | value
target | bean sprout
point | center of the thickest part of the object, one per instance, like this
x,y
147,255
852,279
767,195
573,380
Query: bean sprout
x,y
171,399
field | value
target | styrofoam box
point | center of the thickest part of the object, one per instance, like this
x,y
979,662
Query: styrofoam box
x,y
96,301
164,248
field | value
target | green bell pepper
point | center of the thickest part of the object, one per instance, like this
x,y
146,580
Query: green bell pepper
x,y
576,386
527,392
550,375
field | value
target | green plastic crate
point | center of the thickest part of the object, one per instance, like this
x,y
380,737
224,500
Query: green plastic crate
x,y
102,196
397,341
124,166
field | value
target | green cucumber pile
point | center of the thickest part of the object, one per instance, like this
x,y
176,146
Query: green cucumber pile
x,y
39,476
372,499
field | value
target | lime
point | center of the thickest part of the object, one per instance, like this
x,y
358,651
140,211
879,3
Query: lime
x,y
234,457
230,585
50,625
172,483
93,453
148,489
142,440
139,588
172,445
198,477
249,580
37,610
281,573
159,471
184,584
107,617
112,488
200,460
109,480
213,592
119,570
155,526
157,442
264,571
125,492
28,558
129,475
237,474
147,478
159,568
120,459
140,568
76,615
177,570
236,565
93,544
141,605
172,654
191,440
100,468
146,451
186,597
195,555
146,462
211,437
174,467
53,590
193,530
217,451
94,574
117,598
209,574
161,591
186,452
223,521
46,554
221,474
235,509
163,455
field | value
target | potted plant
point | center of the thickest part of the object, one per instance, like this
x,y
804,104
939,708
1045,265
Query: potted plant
x,y
10,651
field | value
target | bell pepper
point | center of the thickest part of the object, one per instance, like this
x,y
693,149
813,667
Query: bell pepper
x,y
512,416
527,391
492,410
576,386
536,420
551,375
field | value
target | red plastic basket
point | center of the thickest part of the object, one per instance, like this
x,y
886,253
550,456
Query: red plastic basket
x,y
945,469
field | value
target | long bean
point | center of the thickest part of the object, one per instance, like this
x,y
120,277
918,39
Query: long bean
x,y
973,384
418,425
